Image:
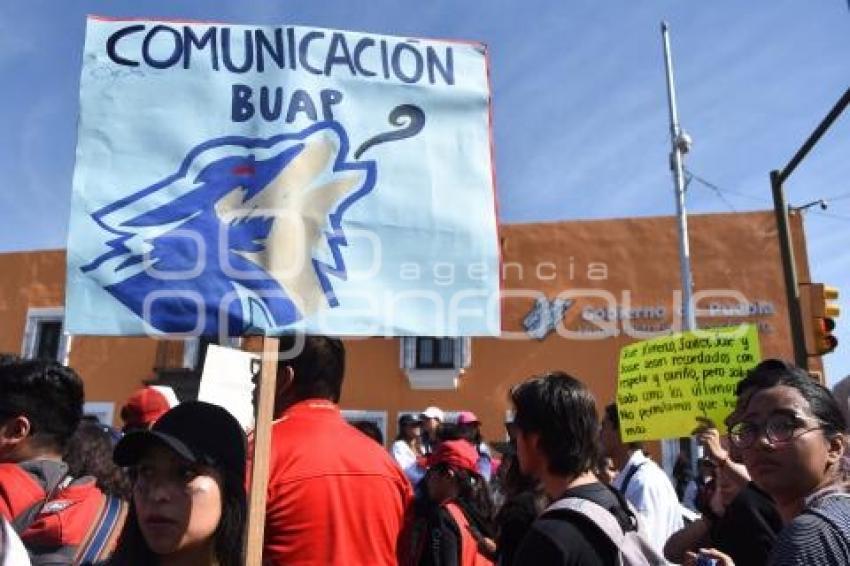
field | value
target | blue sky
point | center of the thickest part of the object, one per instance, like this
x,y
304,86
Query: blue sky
x,y
579,104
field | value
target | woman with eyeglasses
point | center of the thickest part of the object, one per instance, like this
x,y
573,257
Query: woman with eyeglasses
x,y
789,432
188,499
739,519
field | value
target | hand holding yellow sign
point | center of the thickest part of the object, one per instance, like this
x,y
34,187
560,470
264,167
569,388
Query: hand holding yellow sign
x,y
665,384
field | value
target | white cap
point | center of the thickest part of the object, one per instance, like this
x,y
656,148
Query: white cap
x,y
433,413
168,393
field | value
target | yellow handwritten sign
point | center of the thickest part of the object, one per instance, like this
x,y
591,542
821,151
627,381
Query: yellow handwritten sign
x,y
664,384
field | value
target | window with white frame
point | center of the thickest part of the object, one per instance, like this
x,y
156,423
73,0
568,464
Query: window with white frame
x,y
426,352
44,336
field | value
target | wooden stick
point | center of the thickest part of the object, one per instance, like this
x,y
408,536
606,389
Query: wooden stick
x,y
262,446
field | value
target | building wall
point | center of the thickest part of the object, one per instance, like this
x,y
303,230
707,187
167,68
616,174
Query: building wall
x,y
112,368
737,252
636,260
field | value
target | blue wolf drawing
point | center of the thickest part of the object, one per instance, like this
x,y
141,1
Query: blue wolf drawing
x,y
191,253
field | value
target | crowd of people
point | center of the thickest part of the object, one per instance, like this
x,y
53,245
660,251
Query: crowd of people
x,y
171,487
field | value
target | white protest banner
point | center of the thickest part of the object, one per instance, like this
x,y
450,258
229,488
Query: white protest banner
x,y
228,381
233,179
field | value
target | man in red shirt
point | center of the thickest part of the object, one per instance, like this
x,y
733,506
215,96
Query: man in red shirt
x,y
334,495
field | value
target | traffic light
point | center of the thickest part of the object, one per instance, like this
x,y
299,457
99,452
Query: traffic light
x,y
820,310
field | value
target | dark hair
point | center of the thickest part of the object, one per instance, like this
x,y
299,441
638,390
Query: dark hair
x,y
319,365
370,429
47,393
4,540
473,497
89,453
562,411
613,416
449,431
405,421
514,481
471,432
772,373
229,535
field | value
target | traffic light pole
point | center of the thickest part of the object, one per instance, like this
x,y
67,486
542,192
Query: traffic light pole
x,y
789,267
792,287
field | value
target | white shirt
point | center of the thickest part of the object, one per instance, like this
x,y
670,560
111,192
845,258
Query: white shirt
x,y
653,497
13,549
405,457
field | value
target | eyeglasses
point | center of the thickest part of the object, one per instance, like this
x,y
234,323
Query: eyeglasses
x,y
779,428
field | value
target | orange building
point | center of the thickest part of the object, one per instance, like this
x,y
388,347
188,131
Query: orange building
x,y
615,277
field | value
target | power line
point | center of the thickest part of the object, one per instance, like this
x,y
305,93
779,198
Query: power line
x,y
720,191
690,174
727,191
830,215
842,196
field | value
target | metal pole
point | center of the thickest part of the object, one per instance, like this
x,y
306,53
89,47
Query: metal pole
x,y
789,268
677,143
833,115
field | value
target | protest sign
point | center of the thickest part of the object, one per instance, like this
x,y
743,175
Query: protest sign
x,y
235,179
664,384
228,381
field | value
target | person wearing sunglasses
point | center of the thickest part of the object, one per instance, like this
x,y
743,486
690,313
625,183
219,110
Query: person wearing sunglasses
x,y
788,431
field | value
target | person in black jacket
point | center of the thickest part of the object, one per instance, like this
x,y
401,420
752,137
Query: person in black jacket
x,y
557,432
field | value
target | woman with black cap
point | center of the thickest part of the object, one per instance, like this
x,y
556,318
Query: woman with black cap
x,y
189,502
407,448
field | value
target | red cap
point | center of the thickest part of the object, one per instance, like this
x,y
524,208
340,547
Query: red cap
x,y
458,454
143,408
467,417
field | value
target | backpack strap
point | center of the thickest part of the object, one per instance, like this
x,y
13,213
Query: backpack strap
x,y
603,518
631,544
97,541
629,475
26,518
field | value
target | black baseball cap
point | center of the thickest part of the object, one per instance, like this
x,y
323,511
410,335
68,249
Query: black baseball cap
x,y
407,420
200,432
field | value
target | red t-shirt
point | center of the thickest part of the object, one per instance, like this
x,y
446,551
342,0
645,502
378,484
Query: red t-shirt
x,y
334,495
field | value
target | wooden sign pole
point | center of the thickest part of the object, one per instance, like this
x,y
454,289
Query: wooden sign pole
x,y
262,446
